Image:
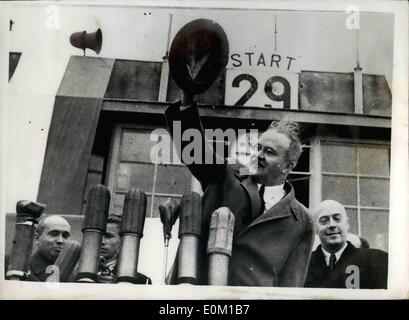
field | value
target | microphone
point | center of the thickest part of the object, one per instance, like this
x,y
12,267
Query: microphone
x,y
219,246
67,259
131,231
189,234
27,216
168,215
95,221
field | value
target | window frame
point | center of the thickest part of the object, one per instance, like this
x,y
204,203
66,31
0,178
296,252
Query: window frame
x,y
114,162
318,173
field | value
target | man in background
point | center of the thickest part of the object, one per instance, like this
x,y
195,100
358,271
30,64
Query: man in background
x,y
336,263
52,233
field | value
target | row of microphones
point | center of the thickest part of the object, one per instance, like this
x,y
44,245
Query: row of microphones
x,y
83,260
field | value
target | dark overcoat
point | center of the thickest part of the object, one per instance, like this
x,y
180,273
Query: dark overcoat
x,y
358,268
268,250
38,268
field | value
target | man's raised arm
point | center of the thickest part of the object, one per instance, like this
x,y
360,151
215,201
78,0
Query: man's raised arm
x,y
192,147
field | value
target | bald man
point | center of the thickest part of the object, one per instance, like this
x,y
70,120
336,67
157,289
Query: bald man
x,y
51,235
336,263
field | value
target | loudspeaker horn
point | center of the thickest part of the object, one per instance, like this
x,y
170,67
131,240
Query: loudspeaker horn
x,y
84,40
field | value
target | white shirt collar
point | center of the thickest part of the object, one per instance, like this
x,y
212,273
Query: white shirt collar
x,y
337,254
111,264
272,195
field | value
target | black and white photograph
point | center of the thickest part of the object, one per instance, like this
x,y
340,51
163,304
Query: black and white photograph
x,y
204,150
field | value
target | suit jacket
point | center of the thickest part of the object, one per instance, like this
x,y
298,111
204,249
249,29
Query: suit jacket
x,y
108,274
268,250
371,263
38,268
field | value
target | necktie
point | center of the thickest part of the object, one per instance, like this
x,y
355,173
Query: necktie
x,y
263,204
332,260
105,274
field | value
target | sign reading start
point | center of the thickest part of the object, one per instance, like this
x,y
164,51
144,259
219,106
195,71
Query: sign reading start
x,y
251,59
262,80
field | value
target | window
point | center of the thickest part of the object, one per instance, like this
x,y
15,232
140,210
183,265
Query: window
x,y
357,175
94,176
300,176
131,166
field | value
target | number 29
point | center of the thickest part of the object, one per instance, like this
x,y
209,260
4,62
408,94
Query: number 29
x,y
285,97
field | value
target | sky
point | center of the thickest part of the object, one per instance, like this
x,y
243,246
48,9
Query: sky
x,y
320,40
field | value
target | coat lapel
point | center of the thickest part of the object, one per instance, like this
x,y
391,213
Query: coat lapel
x,y
280,210
319,268
349,250
284,208
321,264
252,191
39,264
